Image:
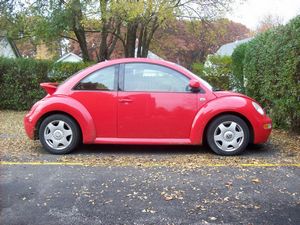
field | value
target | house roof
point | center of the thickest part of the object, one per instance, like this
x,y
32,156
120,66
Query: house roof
x,y
227,49
4,39
69,55
150,55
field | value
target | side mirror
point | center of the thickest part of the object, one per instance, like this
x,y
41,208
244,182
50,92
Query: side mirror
x,y
195,85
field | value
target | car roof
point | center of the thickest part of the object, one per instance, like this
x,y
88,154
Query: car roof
x,y
142,60
77,77
107,63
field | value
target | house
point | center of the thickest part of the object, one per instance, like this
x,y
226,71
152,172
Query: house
x,y
46,51
227,49
8,48
150,55
70,57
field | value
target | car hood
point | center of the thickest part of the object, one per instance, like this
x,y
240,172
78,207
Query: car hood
x,y
220,94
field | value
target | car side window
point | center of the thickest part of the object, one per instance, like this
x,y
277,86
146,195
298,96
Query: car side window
x,y
103,79
154,78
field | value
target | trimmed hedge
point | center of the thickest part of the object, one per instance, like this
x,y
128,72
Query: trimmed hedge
x,y
271,69
61,71
238,57
20,79
19,82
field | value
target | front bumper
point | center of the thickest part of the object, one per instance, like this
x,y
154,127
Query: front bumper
x,y
262,130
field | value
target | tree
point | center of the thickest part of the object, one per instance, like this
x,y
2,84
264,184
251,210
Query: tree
x,y
268,22
143,18
186,42
113,20
57,20
140,19
111,29
51,21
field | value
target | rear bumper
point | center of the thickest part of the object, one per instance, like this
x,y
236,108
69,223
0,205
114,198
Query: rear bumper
x,y
262,130
29,127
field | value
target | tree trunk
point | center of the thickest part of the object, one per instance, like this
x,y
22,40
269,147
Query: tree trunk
x,y
109,38
130,39
148,36
140,43
103,54
144,52
114,39
79,29
80,35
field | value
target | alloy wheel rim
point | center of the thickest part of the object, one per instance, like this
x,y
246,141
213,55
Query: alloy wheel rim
x,y
229,136
58,134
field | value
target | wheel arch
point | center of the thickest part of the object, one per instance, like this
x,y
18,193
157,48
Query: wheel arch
x,y
50,113
232,105
69,107
251,130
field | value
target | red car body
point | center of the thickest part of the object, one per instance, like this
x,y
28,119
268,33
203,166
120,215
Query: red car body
x,y
138,117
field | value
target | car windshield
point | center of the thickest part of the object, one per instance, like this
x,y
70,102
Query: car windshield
x,y
204,82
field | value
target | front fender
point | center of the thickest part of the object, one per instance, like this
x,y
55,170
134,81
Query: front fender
x,y
228,104
64,104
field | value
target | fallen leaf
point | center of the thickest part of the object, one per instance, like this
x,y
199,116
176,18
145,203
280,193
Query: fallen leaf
x,y
256,181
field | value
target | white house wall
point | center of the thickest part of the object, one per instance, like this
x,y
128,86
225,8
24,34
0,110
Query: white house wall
x,y
6,50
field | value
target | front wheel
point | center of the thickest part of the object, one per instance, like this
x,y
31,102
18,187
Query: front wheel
x,y
59,134
228,135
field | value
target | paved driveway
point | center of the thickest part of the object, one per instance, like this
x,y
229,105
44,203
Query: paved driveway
x,y
64,194
113,184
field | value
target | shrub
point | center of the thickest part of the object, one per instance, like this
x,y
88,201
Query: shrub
x,y
238,67
271,68
216,71
19,82
20,79
61,71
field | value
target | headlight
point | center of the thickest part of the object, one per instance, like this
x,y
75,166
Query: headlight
x,y
258,108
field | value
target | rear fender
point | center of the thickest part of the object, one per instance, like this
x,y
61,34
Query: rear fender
x,y
69,106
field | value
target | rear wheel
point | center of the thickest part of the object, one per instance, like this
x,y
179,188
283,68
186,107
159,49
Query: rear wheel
x,y
59,134
228,135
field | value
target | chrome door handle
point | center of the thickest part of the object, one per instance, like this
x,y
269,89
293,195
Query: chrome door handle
x,y
125,100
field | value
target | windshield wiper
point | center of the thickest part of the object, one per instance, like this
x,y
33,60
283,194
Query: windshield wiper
x,y
217,89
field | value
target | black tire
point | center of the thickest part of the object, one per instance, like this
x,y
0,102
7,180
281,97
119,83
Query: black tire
x,y
228,136
68,125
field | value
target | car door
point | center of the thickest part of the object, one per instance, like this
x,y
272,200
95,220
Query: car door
x,y
154,101
98,93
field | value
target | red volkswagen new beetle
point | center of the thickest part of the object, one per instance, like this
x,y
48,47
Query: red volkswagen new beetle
x,y
144,101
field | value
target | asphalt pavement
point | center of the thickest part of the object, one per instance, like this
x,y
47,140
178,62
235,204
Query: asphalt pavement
x,y
63,194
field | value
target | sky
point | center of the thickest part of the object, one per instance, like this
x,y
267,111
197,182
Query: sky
x,y
251,12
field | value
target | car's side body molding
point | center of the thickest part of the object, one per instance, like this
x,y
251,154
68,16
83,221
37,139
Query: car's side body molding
x,y
144,141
